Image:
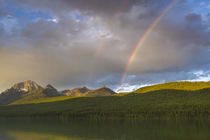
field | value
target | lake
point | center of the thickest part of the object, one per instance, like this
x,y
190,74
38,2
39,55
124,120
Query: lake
x,y
103,130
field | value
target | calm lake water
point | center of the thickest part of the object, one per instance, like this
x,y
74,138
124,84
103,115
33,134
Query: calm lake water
x,y
103,130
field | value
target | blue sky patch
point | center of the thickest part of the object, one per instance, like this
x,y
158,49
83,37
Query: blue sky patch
x,y
26,14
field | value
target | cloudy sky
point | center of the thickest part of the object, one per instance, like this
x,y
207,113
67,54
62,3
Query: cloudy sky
x,y
72,43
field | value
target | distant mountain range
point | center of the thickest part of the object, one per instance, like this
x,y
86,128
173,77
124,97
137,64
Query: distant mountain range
x,y
30,90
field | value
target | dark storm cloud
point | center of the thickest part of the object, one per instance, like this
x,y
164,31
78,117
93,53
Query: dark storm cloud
x,y
102,7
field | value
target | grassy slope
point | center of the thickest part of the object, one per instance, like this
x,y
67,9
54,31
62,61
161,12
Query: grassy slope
x,y
188,86
40,100
159,102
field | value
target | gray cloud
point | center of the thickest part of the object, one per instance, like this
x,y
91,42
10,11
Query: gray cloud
x,y
93,49
96,6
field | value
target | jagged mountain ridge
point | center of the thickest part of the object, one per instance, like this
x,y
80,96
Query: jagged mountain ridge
x,y
50,91
76,92
30,90
84,91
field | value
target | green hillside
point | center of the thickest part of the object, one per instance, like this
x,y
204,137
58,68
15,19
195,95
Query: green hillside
x,y
188,86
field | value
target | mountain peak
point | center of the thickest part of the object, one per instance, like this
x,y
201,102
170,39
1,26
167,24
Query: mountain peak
x,y
49,86
81,89
50,91
21,88
103,91
26,86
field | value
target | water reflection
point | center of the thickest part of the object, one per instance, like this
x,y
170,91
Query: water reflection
x,y
103,130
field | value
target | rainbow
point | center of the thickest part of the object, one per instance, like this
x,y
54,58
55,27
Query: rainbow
x,y
101,45
144,37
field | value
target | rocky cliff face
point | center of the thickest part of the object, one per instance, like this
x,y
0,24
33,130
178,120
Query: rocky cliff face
x,y
76,92
18,91
50,91
23,87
